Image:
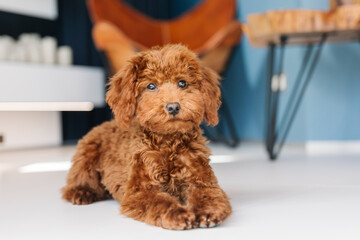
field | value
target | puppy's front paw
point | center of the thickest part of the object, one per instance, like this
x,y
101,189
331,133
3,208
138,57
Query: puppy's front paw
x,y
178,219
79,195
207,220
210,218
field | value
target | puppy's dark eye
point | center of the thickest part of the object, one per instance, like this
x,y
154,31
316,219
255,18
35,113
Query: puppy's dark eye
x,y
151,87
182,84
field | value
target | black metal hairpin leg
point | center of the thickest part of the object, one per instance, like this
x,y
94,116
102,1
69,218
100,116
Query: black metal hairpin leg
x,y
273,96
275,138
270,72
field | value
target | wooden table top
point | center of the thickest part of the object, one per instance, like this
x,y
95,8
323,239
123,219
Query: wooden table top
x,y
306,38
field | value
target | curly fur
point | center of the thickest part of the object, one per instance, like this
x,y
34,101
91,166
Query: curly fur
x,y
156,165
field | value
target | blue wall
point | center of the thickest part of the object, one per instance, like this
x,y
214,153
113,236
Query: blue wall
x,y
331,106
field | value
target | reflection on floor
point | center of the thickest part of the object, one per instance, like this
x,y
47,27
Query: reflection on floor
x,y
297,197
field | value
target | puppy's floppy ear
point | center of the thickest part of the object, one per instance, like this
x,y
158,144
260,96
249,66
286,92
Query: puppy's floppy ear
x,y
121,94
211,94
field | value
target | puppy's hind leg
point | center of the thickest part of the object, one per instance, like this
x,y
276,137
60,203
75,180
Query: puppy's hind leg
x,y
83,181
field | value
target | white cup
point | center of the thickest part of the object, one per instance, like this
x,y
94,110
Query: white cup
x,y
48,50
64,56
32,43
18,53
7,45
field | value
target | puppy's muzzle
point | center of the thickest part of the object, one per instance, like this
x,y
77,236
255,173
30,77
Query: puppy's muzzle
x,y
173,108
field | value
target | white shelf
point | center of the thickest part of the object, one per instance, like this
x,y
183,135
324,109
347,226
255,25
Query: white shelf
x,y
25,82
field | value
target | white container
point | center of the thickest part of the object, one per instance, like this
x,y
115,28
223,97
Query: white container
x,y
7,44
48,50
64,56
34,53
18,53
32,43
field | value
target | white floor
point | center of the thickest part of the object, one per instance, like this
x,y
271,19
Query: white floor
x,y
297,197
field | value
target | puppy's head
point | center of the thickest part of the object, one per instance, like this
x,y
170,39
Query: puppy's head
x,y
166,89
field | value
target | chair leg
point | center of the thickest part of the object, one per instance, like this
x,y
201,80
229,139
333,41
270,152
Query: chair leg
x,y
233,140
217,134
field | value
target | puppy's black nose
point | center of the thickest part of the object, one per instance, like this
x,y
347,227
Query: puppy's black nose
x,y
173,108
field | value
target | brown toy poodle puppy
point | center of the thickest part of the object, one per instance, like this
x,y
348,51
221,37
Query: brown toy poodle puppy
x,y
153,158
